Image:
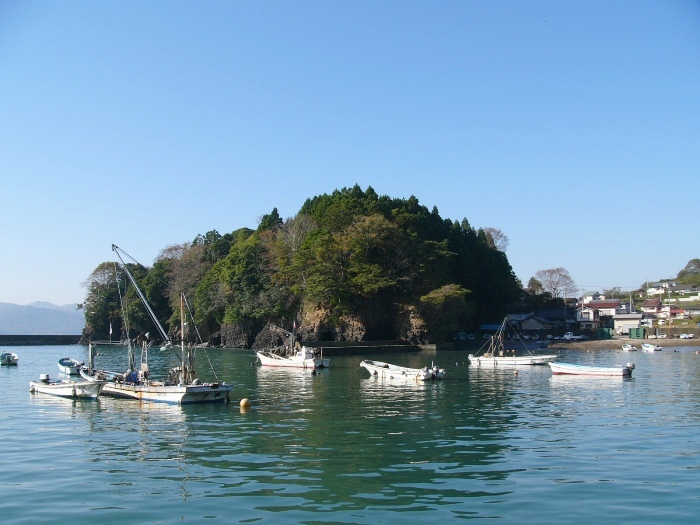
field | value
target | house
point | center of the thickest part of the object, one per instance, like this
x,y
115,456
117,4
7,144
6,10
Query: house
x,y
659,288
598,314
668,311
558,317
651,306
533,323
591,296
683,289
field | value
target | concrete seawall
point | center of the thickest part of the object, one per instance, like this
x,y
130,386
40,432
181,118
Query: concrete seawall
x,y
38,340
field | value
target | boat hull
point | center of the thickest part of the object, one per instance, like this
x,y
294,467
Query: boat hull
x,y
494,361
173,394
399,373
583,370
69,389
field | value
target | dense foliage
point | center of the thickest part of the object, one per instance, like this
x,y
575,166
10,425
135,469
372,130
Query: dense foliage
x,y
352,254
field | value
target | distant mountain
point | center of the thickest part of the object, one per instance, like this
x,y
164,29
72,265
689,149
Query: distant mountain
x,y
41,318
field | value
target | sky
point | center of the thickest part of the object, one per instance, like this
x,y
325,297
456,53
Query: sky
x,y
573,127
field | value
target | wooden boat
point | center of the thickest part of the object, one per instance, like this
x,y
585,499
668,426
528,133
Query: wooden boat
x,y
71,389
181,386
304,357
8,359
648,347
388,371
629,348
585,370
70,366
494,353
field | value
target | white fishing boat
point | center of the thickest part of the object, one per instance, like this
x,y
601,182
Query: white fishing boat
x,y
70,366
301,357
66,388
493,353
586,370
648,347
304,357
629,348
401,373
181,386
8,359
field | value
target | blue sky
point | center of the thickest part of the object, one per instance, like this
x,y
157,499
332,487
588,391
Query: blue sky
x,y
574,127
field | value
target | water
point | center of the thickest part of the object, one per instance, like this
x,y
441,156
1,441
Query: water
x,y
339,447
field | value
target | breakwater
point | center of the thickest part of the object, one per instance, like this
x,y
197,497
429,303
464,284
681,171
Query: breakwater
x,y
35,340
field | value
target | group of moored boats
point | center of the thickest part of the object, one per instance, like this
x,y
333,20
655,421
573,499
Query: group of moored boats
x,y
646,347
494,354
181,385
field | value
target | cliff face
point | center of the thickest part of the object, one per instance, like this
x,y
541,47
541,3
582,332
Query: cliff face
x,y
402,324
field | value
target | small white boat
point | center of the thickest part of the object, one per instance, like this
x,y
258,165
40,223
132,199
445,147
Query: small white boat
x,y
586,370
304,357
648,347
402,373
629,348
70,366
71,389
8,359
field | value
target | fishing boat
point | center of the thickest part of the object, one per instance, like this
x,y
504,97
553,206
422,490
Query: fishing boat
x,y
648,347
388,371
66,388
304,357
586,370
70,366
181,386
301,357
8,359
493,353
629,348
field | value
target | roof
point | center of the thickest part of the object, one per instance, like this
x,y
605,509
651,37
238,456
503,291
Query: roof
x,y
598,305
652,302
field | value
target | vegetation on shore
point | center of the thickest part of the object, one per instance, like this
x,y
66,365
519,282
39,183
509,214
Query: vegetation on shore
x,y
351,265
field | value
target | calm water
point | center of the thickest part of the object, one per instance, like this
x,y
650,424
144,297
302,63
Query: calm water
x,y
339,447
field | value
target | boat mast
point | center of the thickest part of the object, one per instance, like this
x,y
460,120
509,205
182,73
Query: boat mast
x,y
117,250
184,360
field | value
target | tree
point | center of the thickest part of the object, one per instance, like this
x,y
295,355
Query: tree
x,y
444,310
270,221
613,293
557,282
497,239
101,306
535,286
691,273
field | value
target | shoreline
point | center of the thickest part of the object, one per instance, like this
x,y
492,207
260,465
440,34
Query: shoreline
x,y
616,343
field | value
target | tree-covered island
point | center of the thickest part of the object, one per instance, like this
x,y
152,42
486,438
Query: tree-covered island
x,y
349,266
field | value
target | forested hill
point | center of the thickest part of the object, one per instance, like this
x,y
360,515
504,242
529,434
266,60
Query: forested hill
x,y
351,265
